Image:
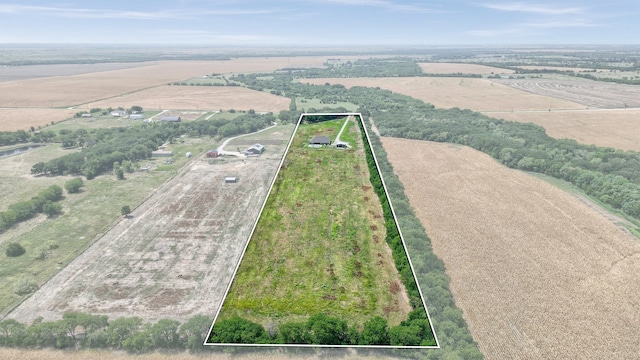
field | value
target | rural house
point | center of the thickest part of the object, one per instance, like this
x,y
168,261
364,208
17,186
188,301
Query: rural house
x,y
255,149
171,118
136,117
320,140
212,154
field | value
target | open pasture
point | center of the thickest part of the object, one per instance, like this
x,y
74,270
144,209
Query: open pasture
x,y
12,119
464,93
454,68
538,273
197,97
616,128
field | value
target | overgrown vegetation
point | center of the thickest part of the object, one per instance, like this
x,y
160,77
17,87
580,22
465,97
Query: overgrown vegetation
x,y
279,296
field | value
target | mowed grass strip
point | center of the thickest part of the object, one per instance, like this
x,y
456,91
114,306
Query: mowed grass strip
x,y
319,244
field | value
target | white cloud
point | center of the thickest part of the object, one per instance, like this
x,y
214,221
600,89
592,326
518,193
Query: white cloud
x,y
384,4
534,8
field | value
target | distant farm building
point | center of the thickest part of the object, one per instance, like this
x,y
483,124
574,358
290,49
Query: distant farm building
x,y
162,153
320,140
212,154
118,113
255,149
230,179
171,118
86,115
136,116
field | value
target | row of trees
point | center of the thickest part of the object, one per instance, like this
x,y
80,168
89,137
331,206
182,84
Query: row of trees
x,y
84,331
45,202
102,148
322,329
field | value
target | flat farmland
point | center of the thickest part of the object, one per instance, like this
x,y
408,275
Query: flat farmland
x,y
197,97
537,272
616,128
594,94
175,256
453,68
13,119
464,93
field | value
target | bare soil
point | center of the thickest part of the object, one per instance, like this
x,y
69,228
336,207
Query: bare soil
x,y
13,119
537,273
174,257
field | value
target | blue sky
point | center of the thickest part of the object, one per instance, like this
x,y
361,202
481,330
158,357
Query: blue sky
x,y
321,22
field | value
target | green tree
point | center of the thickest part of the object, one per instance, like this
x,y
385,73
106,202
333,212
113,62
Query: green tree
x,y
293,333
136,109
121,329
165,334
194,332
125,211
74,185
12,332
375,332
237,330
51,209
14,249
328,330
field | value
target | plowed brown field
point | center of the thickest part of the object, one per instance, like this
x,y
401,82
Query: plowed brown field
x,y
537,273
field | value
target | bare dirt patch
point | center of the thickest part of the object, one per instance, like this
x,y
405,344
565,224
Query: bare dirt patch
x,y
464,93
454,68
594,94
174,257
13,119
198,97
537,273
616,128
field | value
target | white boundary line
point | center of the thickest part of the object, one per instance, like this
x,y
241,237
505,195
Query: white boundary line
x,y
384,185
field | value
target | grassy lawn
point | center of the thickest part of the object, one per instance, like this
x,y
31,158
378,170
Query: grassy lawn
x,y
319,244
86,216
306,104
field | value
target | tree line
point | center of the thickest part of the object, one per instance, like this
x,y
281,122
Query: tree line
x,y
78,330
46,201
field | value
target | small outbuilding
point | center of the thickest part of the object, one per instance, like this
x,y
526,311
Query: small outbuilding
x,y
320,140
231,180
136,116
255,149
212,154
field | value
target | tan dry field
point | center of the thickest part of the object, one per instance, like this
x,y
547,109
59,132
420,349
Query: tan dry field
x,y
591,93
616,128
13,119
464,93
198,97
537,273
175,256
454,68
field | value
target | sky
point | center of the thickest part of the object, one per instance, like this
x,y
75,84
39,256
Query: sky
x,y
303,23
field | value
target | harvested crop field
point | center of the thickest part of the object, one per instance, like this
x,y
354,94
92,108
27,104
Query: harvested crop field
x,y
616,128
464,93
175,256
538,273
453,68
65,91
594,94
13,119
198,97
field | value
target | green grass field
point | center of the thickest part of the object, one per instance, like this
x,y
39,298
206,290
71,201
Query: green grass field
x,y
319,244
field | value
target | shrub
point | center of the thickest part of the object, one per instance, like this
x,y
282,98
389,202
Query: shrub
x,y
14,249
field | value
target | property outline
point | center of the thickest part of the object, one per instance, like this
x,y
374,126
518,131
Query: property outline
x,y
384,185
